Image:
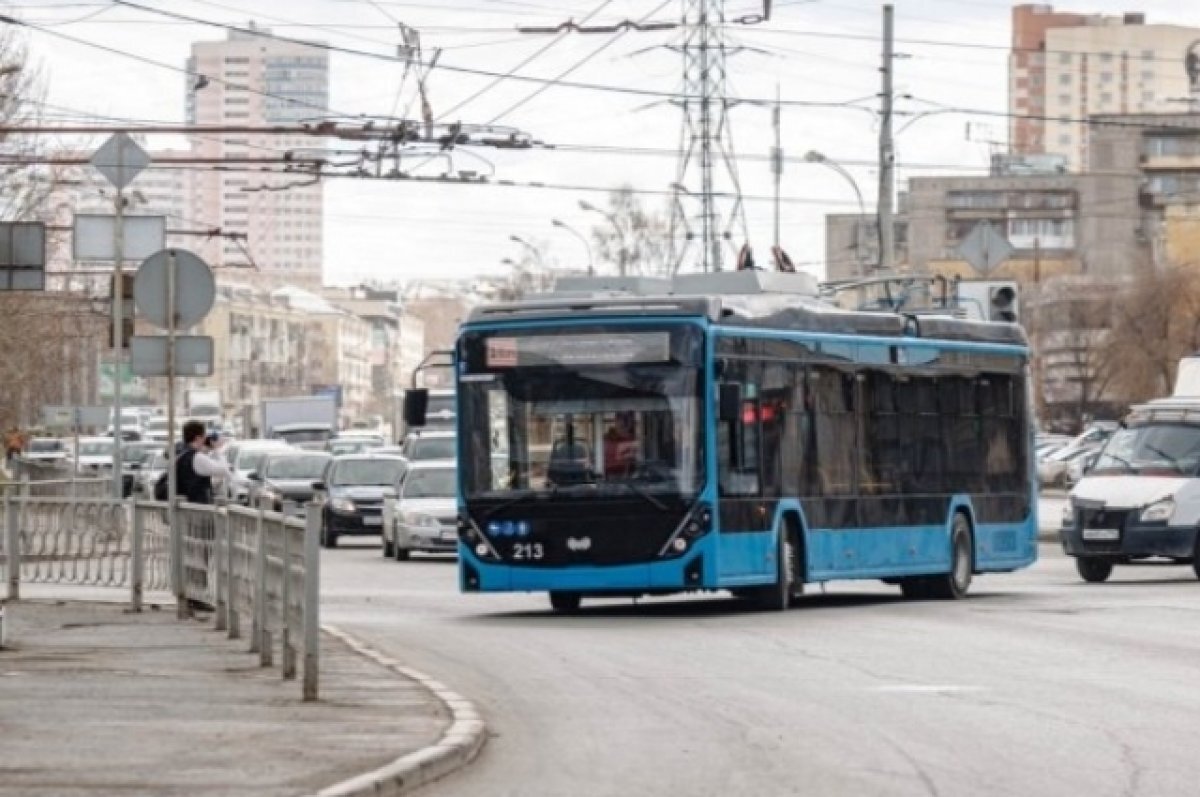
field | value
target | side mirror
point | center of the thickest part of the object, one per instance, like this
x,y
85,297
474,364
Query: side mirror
x,y
318,486
254,476
416,404
729,402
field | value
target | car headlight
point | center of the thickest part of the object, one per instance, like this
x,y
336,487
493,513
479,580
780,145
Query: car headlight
x,y
418,519
1159,512
342,505
1068,516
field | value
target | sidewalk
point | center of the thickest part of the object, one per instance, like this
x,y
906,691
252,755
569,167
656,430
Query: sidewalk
x,y
99,702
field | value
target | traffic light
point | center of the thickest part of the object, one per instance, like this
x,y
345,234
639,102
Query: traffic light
x,y
126,285
988,300
1002,302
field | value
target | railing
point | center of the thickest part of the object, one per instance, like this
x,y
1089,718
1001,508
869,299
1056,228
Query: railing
x,y
58,488
244,564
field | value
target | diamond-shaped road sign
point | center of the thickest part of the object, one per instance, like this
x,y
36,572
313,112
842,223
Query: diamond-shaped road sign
x,y
120,160
985,247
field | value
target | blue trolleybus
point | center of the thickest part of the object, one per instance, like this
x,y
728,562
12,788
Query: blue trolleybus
x,y
736,432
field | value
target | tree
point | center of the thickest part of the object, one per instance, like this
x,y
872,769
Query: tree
x,y
1156,321
634,241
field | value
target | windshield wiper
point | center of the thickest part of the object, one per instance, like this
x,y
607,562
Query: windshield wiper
x,y
520,499
641,491
1158,452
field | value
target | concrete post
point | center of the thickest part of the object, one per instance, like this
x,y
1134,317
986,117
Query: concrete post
x,y
137,574
312,599
260,593
217,562
288,663
12,547
233,622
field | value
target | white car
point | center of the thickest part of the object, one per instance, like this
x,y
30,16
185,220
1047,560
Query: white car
x,y
1053,470
244,457
95,455
46,450
424,516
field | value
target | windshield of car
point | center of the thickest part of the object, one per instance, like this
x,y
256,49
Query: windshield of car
x,y
135,454
45,446
366,472
250,460
309,466
431,483
100,448
342,447
1156,448
433,448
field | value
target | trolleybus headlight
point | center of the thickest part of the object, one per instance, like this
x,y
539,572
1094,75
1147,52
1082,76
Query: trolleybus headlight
x,y
679,544
1159,512
482,551
471,536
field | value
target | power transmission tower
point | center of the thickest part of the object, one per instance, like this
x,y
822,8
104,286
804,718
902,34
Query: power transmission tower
x,y
706,155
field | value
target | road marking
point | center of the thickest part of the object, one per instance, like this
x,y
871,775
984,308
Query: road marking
x,y
926,689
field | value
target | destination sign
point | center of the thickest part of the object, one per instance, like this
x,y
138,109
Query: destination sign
x,y
609,349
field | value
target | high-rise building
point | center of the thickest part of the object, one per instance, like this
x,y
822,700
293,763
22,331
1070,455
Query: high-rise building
x,y
254,80
1065,68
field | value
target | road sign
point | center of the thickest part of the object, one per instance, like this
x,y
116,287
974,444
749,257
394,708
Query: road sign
x,y
120,160
193,355
66,417
95,237
22,256
195,288
985,247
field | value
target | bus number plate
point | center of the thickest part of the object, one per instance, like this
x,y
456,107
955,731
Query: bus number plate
x,y
528,551
1102,535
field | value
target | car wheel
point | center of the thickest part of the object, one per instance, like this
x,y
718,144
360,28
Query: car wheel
x,y
954,585
1093,571
329,537
565,602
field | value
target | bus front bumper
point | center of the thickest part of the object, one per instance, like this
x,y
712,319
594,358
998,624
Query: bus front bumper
x,y
672,575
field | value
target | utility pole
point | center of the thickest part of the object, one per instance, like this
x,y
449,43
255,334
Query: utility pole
x,y
118,332
777,158
887,154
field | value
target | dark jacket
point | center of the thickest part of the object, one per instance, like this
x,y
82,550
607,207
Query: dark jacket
x,y
191,486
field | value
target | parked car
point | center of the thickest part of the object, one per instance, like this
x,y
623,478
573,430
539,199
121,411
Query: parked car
x,y
133,458
96,456
351,494
243,457
47,451
1052,471
147,476
284,480
430,444
425,515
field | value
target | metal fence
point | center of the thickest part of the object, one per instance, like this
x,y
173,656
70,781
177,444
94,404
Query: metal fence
x,y
244,564
58,488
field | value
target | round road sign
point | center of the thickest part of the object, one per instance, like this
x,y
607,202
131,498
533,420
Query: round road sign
x,y
195,288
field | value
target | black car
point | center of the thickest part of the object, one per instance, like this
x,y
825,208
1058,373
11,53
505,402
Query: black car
x,y
351,494
285,479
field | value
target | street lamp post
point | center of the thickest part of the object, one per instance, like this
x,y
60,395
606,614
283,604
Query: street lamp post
x,y
812,156
582,239
537,253
623,252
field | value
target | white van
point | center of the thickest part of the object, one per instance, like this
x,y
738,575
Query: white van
x,y
1140,500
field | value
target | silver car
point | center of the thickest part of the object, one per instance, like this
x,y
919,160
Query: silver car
x,y
424,514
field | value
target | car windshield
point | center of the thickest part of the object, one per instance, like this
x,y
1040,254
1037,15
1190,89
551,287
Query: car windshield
x,y
433,448
103,448
342,447
135,454
432,483
45,446
366,472
250,460
1152,449
299,467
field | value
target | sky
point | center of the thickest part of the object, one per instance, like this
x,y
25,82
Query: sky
x,y
951,54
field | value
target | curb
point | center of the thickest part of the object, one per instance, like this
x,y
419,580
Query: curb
x,y
458,746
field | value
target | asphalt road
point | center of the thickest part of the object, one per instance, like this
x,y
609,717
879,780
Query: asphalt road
x,y
1036,685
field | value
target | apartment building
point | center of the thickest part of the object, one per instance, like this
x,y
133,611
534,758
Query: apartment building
x,y
1065,68
253,80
